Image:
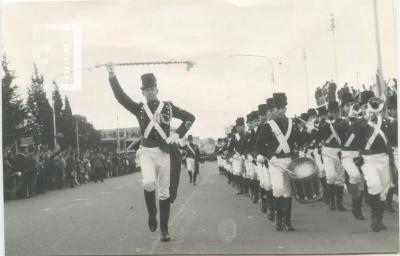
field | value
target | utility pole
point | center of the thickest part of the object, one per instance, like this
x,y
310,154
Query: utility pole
x,y
306,76
54,117
118,146
77,135
332,28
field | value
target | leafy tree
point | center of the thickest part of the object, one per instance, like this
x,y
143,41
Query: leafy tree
x,y
14,113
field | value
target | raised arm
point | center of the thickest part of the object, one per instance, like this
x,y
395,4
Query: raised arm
x,y
119,94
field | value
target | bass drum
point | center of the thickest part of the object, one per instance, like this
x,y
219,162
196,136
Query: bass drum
x,y
306,185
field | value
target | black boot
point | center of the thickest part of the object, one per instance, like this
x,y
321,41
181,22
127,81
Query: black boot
x,y
339,198
356,207
278,213
381,212
164,217
263,201
194,178
240,185
270,205
287,214
246,186
150,199
325,191
229,178
255,191
331,196
374,202
190,177
389,200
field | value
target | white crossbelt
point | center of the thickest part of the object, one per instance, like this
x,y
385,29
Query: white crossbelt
x,y
191,149
152,122
349,140
377,130
282,139
334,134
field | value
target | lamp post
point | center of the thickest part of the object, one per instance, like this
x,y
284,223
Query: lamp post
x,y
332,28
264,57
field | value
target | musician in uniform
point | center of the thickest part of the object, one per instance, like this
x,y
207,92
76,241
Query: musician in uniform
x,y
155,153
329,136
252,122
267,204
276,143
236,149
192,153
374,151
219,151
393,140
350,156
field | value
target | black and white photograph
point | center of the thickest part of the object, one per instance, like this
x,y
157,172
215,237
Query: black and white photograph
x,y
172,127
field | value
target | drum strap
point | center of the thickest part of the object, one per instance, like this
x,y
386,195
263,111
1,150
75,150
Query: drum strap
x,y
334,134
377,131
282,139
153,122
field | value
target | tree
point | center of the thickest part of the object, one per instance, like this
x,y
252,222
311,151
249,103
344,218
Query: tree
x,y
68,125
39,112
58,108
13,108
88,136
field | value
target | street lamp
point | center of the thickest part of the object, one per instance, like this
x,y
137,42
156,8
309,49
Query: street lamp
x,y
264,57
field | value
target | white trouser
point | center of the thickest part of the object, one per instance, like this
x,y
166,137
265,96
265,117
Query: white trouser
x,y
280,180
250,172
258,170
190,164
228,166
237,165
350,167
376,171
155,165
320,165
333,168
220,161
266,178
396,157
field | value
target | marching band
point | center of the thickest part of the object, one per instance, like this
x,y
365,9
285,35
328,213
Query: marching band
x,y
347,143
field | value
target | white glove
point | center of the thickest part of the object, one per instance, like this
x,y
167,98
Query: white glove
x,y
249,158
260,159
273,160
173,138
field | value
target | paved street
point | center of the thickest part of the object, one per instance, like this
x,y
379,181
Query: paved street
x,y
110,218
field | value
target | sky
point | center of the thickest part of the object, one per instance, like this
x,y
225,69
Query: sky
x,y
220,87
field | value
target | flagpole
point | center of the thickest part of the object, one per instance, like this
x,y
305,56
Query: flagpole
x,y
380,81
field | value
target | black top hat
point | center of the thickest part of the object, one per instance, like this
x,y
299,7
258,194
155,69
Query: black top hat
x,y
365,96
254,115
239,121
262,109
304,116
312,112
322,110
346,98
190,137
392,102
333,106
270,103
280,99
148,81
249,117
